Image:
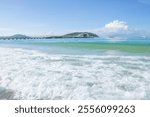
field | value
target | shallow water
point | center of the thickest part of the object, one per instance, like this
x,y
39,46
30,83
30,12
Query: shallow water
x,y
71,70
81,46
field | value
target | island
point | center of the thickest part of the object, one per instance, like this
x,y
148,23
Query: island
x,y
77,35
70,35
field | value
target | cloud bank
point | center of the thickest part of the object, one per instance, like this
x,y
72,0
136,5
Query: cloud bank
x,y
117,30
114,30
116,25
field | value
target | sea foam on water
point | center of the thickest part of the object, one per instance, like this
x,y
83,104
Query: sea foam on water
x,y
29,74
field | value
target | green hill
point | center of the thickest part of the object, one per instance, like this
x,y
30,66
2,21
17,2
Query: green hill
x,y
80,35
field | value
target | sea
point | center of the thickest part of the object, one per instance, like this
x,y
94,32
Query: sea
x,y
75,69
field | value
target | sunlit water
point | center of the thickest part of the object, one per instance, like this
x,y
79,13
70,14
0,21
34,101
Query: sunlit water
x,y
74,69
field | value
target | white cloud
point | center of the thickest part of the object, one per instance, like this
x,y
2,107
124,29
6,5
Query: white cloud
x,y
114,30
116,25
117,30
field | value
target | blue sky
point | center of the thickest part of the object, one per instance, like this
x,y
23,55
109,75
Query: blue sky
x,y
33,17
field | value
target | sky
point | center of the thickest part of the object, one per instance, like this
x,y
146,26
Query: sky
x,y
51,17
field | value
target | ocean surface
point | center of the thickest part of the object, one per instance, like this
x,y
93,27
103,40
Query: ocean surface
x,y
72,69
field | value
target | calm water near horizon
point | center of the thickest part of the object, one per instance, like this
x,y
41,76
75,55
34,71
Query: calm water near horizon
x,y
75,69
81,45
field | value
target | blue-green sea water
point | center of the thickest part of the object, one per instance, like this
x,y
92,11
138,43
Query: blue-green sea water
x,y
75,69
81,46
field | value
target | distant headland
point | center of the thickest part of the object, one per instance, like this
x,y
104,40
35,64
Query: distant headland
x,y
70,35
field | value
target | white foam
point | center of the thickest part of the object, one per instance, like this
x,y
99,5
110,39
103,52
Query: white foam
x,y
36,75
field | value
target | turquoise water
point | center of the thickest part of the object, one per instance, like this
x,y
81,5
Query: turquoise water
x,y
82,46
68,69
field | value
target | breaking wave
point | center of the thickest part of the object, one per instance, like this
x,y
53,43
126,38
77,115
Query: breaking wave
x,y
29,74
